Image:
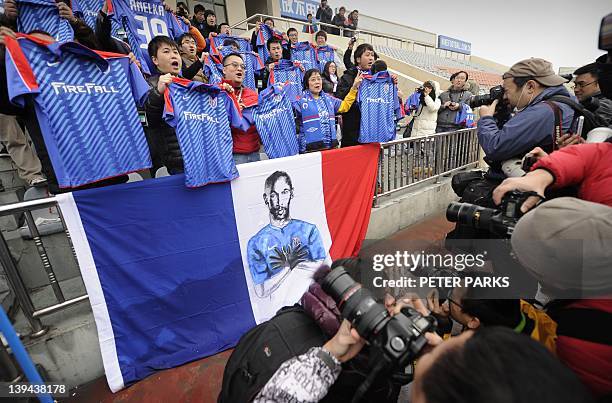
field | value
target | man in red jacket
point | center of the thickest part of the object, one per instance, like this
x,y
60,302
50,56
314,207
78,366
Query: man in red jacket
x,y
585,165
246,142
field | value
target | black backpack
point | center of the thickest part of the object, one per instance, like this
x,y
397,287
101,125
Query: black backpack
x,y
262,350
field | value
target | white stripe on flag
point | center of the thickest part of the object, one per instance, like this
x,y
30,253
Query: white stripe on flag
x,y
307,211
94,289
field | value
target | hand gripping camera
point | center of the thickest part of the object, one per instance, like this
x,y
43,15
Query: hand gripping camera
x,y
502,111
394,341
498,221
496,92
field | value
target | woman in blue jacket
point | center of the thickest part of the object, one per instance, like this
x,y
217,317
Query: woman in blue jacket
x,y
316,112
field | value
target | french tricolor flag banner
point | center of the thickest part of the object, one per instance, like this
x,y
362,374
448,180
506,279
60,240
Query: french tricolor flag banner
x,y
176,274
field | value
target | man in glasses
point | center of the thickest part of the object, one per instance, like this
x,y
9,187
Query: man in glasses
x,y
527,85
246,142
589,94
474,307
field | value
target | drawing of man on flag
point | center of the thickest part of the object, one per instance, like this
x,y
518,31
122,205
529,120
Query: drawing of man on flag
x,y
283,245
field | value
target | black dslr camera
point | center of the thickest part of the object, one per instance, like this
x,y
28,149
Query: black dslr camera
x,y
503,111
420,89
498,221
496,92
394,341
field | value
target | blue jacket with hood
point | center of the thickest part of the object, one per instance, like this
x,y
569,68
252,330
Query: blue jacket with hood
x,y
532,127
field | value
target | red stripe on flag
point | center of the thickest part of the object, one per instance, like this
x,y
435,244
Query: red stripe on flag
x,y
349,175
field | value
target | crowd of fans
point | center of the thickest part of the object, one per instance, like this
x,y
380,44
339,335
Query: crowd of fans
x,y
207,52
537,116
347,24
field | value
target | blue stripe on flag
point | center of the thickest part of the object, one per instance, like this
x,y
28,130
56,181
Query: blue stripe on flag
x,y
168,259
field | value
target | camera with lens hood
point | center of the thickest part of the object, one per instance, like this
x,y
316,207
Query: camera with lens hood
x,y
496,92
497,221
395,341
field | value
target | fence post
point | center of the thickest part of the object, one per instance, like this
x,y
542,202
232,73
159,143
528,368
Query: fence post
x,y
42,252
378,181
19,288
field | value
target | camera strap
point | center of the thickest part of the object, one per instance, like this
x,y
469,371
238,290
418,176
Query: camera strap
x,y
558,129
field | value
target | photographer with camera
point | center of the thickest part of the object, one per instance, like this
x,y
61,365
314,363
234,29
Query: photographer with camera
x,y
477,307
452,101
526,85
589,94
474,367
426,113
586,166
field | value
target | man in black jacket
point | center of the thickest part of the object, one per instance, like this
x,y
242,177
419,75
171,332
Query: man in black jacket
x,y
589,94
199,20
163,144
325,15
364,58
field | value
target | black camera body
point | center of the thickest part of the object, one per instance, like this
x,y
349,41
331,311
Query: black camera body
x,y
395,341
498,221
420,89
496,92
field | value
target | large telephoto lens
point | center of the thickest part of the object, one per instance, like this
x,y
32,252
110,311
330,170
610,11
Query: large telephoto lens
x,y
355,302
480,100
470,214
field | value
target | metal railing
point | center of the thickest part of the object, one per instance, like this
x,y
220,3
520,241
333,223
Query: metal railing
x,y
411,161
365,35
15,280
402,164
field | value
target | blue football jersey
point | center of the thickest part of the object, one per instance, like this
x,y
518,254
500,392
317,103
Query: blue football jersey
x,y
199,114
43,15
325,54
143,20
265,33
212,69
217,41
305,54
287,73
253,64
87,10
270,241
275,123
86,107
379,106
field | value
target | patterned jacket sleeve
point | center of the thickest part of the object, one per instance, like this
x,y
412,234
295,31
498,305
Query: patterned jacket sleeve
x,y
302,379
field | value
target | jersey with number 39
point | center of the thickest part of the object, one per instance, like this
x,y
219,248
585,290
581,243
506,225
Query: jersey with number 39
x,y
143,20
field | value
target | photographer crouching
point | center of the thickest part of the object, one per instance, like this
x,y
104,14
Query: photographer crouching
x,y
515,118
490,365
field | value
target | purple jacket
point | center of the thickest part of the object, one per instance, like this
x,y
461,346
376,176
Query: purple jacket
x,y
322,308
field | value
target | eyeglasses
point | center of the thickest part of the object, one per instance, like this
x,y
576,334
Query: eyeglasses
x,y
450,299
580,84
236,65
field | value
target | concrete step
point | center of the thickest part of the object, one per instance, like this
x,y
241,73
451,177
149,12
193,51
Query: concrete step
x,y
6,164
69,351
10,179
11,222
